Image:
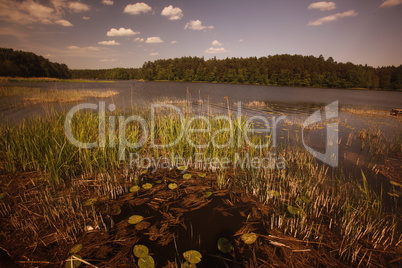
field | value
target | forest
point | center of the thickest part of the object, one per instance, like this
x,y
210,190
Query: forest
x,y
276,70
16,63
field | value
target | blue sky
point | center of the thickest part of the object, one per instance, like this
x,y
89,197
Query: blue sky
x,y
100,34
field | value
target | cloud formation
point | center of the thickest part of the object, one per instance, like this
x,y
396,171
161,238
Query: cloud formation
x,y
137,39
109,43
172,13
108,2
154,54
323,6
391,3
215,50
173,42
32,11
323,20
154,40
197,25
138,8
216,43
121,32
78,7
84,49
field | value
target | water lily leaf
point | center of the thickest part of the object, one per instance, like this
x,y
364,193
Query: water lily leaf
x,y
147,186
76,248
187,176
115,211
89,202
396,183
140,251
181,167
135,188
146,262
274,193
302,200
395,194
135,219
192,256
142,225
224,245
158,181
202,175
73,263
293,210
249,238
208,194
145,171
188,265
172,186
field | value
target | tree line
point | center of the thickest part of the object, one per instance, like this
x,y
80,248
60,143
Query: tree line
x,y
278,70
16,63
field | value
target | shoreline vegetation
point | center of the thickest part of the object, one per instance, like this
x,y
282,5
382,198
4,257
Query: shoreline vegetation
x,y
58,200
274,70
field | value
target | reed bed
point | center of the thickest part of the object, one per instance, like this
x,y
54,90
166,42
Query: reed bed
x,y
307,200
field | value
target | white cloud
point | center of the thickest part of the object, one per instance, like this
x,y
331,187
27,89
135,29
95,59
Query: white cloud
x,y
108,60
137,8
241,40
31,11
197,25
109,43
216,43
64,23
84,49
154,54
85,18
323,6
215,50
78,7
323,20
121,32
172,13
173,42
137,39
108,2
154,40
391,3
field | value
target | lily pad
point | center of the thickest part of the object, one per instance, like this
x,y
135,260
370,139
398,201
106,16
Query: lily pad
x,y
115,211
140,251
146,262
73,263
208,194
76,248
135,219
192,256
135,188
293,210
181,167
224,245
158,181
395,193
172,186
395,183
142,225
249,238
202,175
145,171
89,202
188,265
147,186
187,176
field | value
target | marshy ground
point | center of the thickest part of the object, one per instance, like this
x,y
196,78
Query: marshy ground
x,y
55,196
